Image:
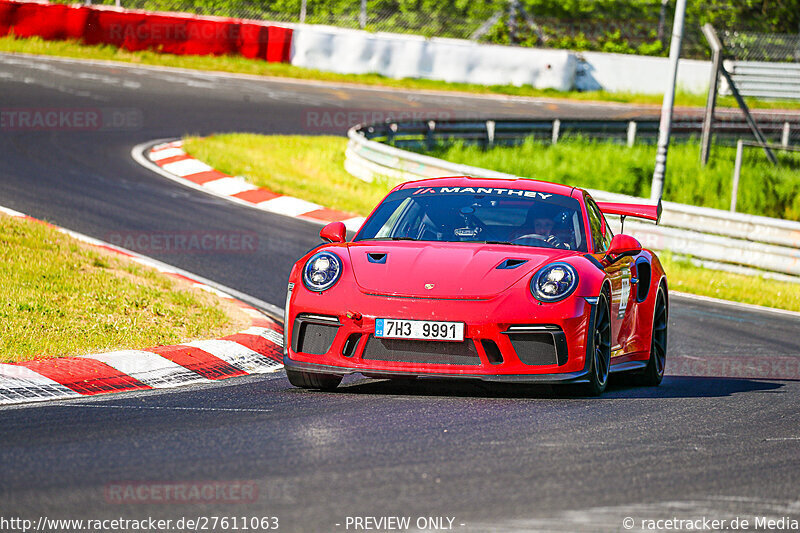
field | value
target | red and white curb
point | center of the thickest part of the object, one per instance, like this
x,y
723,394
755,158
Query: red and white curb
x,y
256,350
176,164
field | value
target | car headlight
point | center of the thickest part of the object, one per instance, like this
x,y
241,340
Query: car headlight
x,y
554,282
322,271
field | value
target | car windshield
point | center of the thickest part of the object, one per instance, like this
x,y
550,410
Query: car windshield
x,y
478,214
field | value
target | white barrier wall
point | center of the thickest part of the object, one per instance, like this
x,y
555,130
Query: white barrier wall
x,y
401,56
411,56
638,74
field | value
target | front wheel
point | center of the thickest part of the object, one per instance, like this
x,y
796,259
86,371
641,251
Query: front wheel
x,y
312,380
654,371
600,352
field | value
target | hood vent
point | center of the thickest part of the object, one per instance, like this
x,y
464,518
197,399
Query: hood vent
x,y
508,264
379,258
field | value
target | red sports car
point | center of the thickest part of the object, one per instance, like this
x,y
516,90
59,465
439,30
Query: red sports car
x,y
498,280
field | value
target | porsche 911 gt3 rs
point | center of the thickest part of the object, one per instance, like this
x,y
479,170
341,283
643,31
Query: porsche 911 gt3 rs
x,y
498,280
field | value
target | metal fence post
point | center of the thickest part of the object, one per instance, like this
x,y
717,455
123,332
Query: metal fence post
x,y
631,133
430,140
362,16
762,141
513,7
303,11
490,127
737,170
711,102
390,132
787,128
556,131
662,20
665,126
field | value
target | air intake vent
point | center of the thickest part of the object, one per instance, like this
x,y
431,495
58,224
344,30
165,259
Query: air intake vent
x,y
314,334
422,352
534,348
643,286
492,351
539,344
351,344
508,264
376,258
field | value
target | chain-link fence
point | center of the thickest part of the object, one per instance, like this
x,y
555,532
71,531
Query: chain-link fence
x,y
750,46
374,15
623,26
628,28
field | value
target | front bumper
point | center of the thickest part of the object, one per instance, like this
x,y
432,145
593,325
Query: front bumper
x,y
566,377
331,342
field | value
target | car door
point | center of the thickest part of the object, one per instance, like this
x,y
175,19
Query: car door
x,y
619,273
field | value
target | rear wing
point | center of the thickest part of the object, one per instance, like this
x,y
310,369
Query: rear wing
x,y
646,211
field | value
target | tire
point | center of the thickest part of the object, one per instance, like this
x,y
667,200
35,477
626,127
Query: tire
x,y
600,338
312,380
654,371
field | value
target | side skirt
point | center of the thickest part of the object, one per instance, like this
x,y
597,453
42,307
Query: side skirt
x,y
628,366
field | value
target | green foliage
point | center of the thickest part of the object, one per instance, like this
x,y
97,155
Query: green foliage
x,y
624,26
768,16
654,48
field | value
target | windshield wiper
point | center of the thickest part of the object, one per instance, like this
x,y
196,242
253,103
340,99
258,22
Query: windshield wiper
x,y
496,242
391,239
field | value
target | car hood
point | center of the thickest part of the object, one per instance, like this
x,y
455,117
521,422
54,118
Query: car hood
x,y
444,270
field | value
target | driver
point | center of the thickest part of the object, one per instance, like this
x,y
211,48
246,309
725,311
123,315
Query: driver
x,y
540,221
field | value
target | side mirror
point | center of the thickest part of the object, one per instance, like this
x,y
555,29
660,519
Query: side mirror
x,y
622,246
334,232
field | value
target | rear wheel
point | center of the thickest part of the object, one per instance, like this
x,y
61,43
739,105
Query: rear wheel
x,y
654,371
600,352
312,380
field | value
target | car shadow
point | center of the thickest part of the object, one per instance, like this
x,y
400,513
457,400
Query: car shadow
x,y
618,387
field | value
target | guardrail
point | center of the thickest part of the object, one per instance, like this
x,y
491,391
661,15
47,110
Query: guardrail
x,y
764,80
721,239
489,132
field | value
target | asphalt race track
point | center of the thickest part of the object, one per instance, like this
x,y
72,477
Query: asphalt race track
x,y
491,458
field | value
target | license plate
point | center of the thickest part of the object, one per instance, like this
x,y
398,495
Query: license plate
x,y
419,329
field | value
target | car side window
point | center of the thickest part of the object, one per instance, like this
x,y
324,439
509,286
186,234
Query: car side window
x,y
607,235
596,222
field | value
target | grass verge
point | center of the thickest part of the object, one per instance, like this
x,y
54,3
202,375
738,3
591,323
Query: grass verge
x,y
684,276
60,297
312,168
308,167
240,65
764,189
